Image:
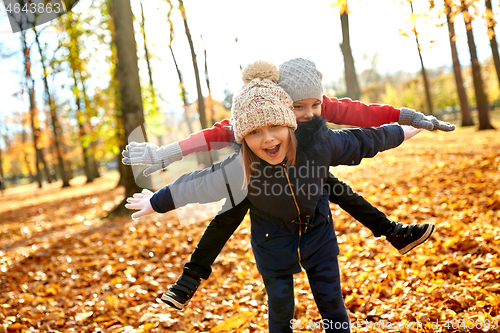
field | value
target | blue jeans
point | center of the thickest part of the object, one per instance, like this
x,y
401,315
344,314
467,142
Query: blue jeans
x,y
324,280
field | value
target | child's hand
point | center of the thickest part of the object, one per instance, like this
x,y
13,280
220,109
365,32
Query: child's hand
x,y
140,201
145,153
410,132
419,120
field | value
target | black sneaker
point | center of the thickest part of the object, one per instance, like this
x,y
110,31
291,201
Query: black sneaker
x,y
405,237
179,294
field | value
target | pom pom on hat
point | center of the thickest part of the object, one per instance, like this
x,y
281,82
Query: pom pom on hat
x,y
261,70
261,102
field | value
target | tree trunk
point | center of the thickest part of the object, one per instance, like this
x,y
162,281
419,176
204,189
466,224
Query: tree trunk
x,y
124,170
30,87
179,74
127,72
1,165
25,156
424,74
56,126
209,98
148,62
53,170
203,158
81,132
28,166
457,69
213,154
493,39
119,123
46,167
86,135
201,102
183,91
94,167
481,98
150,71
33,111
351,78
7,148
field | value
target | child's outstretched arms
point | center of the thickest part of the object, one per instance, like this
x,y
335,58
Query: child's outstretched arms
x,y
345,111
158,158
350,146
145,153
223,180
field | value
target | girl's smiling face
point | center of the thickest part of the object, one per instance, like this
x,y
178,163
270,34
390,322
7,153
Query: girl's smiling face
x,y
269,143
305,109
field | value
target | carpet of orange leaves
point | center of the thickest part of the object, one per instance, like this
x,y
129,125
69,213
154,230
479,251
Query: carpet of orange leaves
x,y
63,268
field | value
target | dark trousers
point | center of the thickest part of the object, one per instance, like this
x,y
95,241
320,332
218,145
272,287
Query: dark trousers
x,y
223,225
214,238
363,211
324,280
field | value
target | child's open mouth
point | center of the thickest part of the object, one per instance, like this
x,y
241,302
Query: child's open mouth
x,y
273,151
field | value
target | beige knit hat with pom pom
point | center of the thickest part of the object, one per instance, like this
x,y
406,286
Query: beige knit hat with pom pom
x,y
261,102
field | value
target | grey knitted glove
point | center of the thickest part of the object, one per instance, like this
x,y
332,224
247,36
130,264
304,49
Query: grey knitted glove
x,y
145,153
419,120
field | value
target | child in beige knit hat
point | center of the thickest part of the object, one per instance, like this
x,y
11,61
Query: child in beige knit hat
x,y
262,118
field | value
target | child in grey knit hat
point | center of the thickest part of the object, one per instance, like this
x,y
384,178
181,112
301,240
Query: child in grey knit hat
x,y
302,81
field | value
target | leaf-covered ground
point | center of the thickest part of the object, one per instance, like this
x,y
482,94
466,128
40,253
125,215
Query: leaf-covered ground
x,y
65,269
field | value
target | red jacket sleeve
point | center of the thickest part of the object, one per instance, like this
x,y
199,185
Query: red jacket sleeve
x,y
345,111
217,137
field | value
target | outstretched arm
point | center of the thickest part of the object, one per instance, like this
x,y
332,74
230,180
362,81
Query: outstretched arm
x,y
158,158
350,146
223,180
345,111
216,137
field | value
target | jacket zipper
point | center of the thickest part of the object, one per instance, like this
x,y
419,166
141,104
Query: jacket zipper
x,y
298,212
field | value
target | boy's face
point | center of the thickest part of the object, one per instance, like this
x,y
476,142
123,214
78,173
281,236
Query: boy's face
x,y
305,109
269,143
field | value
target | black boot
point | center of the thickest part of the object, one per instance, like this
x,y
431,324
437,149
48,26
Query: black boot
x,y
405,237
179,294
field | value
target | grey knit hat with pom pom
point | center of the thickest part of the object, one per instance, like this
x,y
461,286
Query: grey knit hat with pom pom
x,y
261,102
301,80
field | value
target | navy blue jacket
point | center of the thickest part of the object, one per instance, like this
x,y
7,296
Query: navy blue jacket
x,y
283,239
